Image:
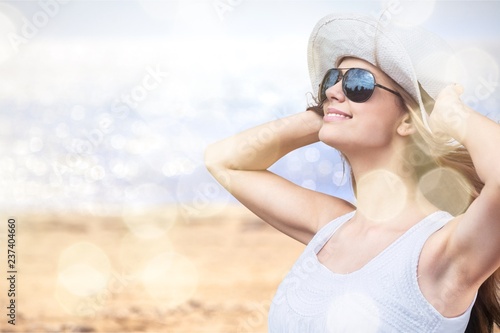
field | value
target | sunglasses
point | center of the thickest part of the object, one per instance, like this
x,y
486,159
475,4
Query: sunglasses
x,y
357,84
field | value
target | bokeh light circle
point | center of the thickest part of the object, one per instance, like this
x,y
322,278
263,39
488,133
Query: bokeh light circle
x,y
135,252
478,71
178,164
91,264
312,154
388,183
148,210
309,184
345,311
446,189
83,274
170,278
340,174
325,167
82,279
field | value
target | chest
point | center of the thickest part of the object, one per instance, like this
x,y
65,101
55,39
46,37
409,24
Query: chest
x,y
350,250
318,297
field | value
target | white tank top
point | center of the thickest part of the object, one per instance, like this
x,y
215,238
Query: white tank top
x,y
382,296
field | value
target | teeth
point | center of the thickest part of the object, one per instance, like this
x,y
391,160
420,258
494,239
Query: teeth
x,y
337,115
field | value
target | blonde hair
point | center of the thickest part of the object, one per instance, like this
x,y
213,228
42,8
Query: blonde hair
x,y
437,156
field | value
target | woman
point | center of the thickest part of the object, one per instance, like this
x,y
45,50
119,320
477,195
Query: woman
x,y
394,262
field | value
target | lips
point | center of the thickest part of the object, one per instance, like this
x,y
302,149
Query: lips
x,y
336,115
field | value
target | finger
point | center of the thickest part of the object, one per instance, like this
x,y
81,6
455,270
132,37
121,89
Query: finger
x,y
459,89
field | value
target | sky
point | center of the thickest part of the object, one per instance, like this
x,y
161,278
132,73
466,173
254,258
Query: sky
x,y
106,104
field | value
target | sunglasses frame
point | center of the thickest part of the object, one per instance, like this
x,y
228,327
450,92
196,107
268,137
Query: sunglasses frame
x,y
341,78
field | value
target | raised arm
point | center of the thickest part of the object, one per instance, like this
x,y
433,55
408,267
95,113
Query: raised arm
x,y
474,238
240,164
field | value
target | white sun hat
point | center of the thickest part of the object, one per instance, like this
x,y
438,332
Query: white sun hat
x,y
409,55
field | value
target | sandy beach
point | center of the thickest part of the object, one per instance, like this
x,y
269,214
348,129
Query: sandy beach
x,y
159,271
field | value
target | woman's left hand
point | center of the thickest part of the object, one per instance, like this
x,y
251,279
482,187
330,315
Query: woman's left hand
x,y
449,116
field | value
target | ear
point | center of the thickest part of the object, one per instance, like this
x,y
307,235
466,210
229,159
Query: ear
x,y
406,127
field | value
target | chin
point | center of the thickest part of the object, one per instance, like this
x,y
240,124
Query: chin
x,y
333,139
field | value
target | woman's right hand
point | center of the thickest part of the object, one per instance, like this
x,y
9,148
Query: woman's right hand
x,y
240,164
259,147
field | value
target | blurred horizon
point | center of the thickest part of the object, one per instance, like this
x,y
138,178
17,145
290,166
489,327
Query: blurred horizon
x,y
110,104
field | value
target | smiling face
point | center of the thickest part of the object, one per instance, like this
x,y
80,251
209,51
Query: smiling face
x,y
371,124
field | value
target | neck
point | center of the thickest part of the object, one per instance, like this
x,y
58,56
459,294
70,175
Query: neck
x,y
386,191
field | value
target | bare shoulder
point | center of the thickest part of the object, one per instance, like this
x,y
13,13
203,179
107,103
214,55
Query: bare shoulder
x,y
332,208
312,212
292,209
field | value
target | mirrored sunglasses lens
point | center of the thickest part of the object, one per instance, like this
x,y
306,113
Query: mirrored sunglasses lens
x,y
330,79
358,85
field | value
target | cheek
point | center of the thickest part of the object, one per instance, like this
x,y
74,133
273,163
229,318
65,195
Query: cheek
x,y
378,131
380,124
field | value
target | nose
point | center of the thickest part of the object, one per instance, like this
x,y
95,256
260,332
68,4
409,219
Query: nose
x,y
335,92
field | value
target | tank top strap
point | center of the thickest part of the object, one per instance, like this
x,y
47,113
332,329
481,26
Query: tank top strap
x,y
427,227
323,234
402,256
